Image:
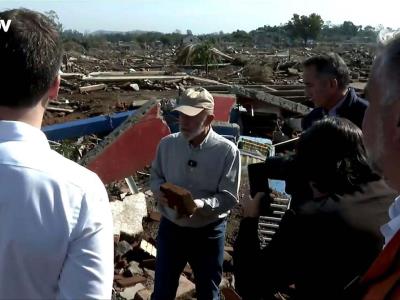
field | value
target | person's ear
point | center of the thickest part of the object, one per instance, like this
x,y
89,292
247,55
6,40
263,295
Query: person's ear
x,y
333,83
54,88
209,119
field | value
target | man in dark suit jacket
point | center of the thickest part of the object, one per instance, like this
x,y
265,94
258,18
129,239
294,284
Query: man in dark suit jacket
x,y
327,79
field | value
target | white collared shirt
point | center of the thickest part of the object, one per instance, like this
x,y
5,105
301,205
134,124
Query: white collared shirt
x,y
389,229
56,236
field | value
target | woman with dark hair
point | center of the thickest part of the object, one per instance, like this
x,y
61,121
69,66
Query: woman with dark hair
x,y
332,157
334,236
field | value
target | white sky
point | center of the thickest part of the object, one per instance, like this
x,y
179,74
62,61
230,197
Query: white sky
x,y
205,16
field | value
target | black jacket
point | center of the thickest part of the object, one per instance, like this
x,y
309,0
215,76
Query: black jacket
x,y
353,108
320,248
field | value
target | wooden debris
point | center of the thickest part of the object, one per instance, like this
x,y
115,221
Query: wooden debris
x,y
223,55
208,81
271,99
132,78
91,88
59,109
71,75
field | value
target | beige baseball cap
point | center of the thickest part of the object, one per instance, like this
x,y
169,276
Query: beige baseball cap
x,y
194,100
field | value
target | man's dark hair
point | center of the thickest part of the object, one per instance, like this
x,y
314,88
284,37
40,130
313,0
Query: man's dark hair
x,y
331,154
30,57
330,64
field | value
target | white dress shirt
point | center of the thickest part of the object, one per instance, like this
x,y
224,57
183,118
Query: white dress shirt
x,y
56,236
389,229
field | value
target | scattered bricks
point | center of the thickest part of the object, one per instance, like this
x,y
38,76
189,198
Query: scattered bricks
x,y
155,216
130,281
130,292
179,198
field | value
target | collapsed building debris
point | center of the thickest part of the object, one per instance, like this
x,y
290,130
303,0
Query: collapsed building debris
x,y
127,82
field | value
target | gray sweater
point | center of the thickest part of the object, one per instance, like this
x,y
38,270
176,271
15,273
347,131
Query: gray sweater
x,y
213,178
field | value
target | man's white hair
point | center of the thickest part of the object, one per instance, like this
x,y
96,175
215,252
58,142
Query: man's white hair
x,y
387,65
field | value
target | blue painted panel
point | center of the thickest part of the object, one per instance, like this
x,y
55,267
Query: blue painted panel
x,y
78,128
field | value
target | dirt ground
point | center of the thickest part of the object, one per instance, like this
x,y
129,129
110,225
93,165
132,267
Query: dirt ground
x,y
102,103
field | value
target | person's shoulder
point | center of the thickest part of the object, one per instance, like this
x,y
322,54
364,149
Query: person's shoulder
x,y
314,115
224,142
66,171
170,138
358,101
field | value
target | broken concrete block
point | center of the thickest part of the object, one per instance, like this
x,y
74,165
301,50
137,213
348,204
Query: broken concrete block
x,y
227,256
122,248
134,87
134,268
130,292
228,249
186,287
292,71
128,214
148,248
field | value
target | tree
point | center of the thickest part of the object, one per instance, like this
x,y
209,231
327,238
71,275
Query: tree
x,y
242,37
305,27
202,53
348,29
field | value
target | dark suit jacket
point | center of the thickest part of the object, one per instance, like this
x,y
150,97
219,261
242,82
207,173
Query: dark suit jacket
x,y
353,108
321,248
329,242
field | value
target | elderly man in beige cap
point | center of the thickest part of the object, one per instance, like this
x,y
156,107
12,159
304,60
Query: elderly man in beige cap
x,y
208,165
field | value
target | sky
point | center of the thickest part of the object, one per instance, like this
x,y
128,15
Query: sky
x,y
207,16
